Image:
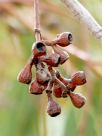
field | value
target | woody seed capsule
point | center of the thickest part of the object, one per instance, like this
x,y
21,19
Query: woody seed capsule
x,y
51,60
39,49
25,76
78,78
64,39
77,99
36,88
57,90
53,109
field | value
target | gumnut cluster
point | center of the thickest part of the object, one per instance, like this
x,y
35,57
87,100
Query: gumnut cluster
x,y
50,80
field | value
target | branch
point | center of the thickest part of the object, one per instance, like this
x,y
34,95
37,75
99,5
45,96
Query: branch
x,y
83,15
37,20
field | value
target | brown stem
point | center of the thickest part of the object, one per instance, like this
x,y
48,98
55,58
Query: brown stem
x,y
50,42
49,87
54,78
37,20
49,95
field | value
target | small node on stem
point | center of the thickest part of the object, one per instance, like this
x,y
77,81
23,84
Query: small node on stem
x,y
49,87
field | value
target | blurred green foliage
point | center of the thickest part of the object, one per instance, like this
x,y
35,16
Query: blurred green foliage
x,y
22,114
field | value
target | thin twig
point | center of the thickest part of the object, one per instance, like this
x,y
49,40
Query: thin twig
x,y
84,16
37,20
55,79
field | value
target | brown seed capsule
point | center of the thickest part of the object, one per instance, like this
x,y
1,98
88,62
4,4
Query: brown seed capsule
x,y
42,75
79,78
53,109
36,88
25,76
77,99
39,49
63,55
64,39
57,90
51,60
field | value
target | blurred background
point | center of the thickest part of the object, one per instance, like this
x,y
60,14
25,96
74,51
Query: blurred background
x,y
23,114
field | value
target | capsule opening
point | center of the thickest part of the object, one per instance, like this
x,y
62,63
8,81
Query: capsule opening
x,y
40,46
70,37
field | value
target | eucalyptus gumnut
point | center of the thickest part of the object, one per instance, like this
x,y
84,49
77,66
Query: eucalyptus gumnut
x,y
25,75
38,49
51,60
57,90
79,78
53,108
36,88
64,39
77,99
